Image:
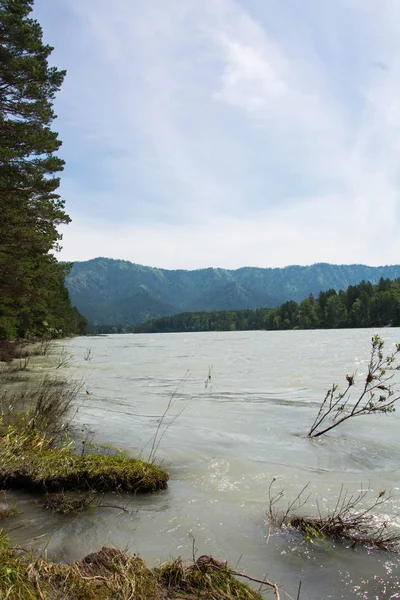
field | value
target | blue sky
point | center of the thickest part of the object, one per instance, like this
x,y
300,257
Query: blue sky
x,y
228,133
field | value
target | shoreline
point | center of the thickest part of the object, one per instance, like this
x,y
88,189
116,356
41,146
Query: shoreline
x,y
36,455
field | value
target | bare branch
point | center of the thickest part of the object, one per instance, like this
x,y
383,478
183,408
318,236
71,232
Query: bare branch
x,y
378,394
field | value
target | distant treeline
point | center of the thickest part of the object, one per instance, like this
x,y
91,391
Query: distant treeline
x,y
363,305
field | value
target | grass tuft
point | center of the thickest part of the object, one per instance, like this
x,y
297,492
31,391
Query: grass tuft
x,y
207,578
43,406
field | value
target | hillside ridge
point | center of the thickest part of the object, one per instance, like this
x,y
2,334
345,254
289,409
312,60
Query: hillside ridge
x,y
116,291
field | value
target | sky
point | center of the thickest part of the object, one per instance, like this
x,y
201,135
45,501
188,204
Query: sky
x,y
228,133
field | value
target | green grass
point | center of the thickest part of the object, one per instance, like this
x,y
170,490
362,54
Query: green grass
x,y
110,573
29,461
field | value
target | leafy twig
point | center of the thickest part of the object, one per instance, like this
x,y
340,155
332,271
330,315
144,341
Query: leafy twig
x,y
378,394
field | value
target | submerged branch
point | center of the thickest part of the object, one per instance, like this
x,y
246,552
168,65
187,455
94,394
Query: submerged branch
x,y
378,394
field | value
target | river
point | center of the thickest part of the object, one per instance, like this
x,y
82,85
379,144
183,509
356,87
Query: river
x,y
241,406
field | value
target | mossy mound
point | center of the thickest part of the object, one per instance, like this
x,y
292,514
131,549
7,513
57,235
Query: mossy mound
x,y
29,461
110,573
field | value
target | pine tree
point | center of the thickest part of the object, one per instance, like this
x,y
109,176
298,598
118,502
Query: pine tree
x,y
30,208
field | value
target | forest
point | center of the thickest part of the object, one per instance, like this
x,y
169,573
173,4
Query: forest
x,y
362,305
119,292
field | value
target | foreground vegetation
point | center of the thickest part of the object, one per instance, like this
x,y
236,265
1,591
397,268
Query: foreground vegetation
x,y
363,305
29,461
110,573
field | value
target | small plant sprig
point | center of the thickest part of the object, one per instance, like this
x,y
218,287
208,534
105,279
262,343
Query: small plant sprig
x,y
87,355
378,394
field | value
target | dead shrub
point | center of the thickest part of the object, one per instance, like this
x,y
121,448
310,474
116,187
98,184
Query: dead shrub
x,y
353,519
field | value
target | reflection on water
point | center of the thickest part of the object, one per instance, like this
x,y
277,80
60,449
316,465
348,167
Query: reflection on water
x,y
223,443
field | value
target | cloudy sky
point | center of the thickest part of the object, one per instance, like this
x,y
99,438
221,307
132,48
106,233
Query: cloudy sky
x,y
229,132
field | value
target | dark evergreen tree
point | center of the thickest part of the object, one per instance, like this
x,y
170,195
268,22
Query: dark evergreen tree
x,y
30,208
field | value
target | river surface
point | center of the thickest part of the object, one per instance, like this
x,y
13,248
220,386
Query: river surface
x,y
241,406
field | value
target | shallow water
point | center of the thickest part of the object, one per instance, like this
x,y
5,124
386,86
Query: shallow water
x,y
242,403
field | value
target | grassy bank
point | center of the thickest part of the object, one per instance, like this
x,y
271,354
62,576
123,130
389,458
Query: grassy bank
x,y
35,452
28,461
110,573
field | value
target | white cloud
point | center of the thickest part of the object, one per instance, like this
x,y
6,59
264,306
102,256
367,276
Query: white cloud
x,y
203,133
271,239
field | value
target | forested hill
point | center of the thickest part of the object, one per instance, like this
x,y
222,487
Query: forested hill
x,y
117,292
363,305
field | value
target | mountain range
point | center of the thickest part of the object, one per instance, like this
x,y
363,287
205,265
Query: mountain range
x,y
111,292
